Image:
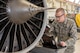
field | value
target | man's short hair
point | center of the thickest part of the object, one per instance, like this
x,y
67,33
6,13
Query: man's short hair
x,y
60,9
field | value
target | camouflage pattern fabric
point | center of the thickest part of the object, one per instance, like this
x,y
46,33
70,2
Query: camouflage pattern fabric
x,y
66,32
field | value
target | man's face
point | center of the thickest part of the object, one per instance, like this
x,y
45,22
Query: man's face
x,y
60,16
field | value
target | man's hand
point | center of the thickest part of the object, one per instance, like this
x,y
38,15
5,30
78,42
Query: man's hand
x,y
62,43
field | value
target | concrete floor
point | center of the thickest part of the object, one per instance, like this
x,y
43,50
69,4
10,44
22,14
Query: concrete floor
x,y
77,45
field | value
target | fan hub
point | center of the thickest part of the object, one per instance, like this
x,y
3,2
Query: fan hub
x,y
20,11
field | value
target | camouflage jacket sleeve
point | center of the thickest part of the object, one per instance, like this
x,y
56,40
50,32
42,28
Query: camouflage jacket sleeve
x,y
52,30
73,31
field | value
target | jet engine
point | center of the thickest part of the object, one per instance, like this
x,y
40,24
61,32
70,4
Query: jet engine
x,y
22,24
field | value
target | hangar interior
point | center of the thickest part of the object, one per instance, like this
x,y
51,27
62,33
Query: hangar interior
x,y
23,22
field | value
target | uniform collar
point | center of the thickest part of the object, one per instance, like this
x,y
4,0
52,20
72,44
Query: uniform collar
x,y
65,21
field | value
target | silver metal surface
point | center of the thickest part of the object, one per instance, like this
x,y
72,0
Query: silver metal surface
x,y
21,10
18,21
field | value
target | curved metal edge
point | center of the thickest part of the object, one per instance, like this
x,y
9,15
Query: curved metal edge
x,y
40,34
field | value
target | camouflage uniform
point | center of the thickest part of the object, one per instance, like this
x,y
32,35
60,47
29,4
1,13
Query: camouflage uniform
x,y
66,32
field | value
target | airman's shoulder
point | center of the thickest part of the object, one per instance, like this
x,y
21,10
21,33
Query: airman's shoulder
x,y
70,20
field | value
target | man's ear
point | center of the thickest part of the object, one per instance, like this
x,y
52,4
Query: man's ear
x,y
65,14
